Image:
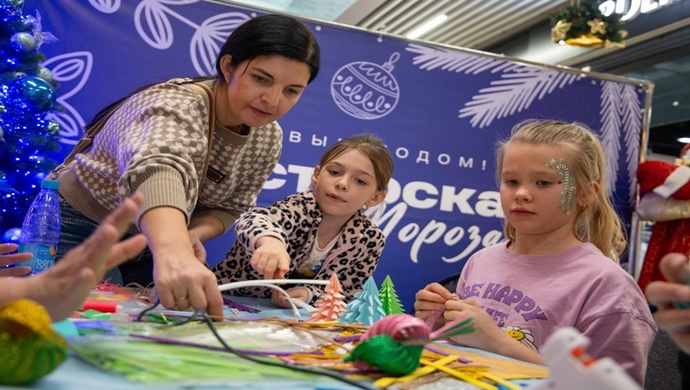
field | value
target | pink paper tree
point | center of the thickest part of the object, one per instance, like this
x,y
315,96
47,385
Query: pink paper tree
x,y
331,304
389,298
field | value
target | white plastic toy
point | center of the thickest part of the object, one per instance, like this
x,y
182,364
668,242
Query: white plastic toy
x,y
570,367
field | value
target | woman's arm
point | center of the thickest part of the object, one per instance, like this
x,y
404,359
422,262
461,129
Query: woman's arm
x,y
181,279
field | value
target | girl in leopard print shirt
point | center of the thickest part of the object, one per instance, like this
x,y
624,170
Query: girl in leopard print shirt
x,y
319,232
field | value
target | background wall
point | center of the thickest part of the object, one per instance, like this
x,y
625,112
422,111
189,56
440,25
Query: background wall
x,y
440,111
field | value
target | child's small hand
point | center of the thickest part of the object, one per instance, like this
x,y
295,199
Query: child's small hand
x,y
14,258
486,331
279,299
270,258
431,299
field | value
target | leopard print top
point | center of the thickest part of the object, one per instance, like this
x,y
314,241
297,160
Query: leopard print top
x,y
295,220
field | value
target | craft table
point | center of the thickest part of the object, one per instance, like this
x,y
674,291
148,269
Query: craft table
x,y
75,373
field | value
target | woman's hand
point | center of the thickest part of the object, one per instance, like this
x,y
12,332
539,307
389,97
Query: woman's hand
x,y
279,299
674,267
271,258
14,258
182,281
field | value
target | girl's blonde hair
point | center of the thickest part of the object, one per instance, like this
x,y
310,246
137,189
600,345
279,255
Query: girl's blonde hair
x,y
370,146
596,222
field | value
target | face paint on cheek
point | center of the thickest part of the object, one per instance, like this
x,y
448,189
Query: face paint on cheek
x,y
569,192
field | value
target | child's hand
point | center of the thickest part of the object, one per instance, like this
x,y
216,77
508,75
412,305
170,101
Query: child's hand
x,y
486,331
432,299
270,258
279,299
14,258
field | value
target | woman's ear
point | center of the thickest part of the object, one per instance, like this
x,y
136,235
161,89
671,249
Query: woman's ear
x,y
226,67
378,197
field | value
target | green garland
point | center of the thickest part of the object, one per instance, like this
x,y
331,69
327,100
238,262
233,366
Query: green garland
x,y
585,25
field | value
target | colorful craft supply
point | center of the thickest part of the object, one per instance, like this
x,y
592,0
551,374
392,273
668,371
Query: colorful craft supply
x,y
331,304
394,344
30,348
366,308
102,306
389,298
238,306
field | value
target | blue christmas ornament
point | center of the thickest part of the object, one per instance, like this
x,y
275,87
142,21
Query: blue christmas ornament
x,y
12,235
11,5
31,92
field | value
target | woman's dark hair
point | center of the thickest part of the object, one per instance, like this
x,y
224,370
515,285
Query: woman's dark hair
x,y
263,35
272,35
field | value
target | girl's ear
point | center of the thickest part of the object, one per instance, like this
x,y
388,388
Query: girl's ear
x,y
226,67
378,197
315,175
589,195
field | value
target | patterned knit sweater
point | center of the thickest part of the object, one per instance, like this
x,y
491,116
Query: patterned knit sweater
x,y
156,143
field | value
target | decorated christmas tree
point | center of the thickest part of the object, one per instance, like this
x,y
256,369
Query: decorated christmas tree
x,y
331,304
389,298
27,97
366,307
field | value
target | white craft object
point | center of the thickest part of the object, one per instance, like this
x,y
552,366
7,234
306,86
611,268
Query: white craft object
x,y
271,283
571,368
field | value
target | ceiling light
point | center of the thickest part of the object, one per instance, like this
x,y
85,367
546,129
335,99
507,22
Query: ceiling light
x,y
428,25
684,140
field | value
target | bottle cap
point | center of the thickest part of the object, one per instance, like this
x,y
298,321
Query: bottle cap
x,y
50,184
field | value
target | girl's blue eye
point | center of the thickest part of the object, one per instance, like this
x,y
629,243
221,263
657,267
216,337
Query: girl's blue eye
x,y
543,183
361,182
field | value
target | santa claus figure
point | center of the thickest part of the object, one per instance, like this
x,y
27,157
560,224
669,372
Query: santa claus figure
x,y
665,199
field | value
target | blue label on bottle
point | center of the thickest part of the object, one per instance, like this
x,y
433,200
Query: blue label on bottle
x,y
43,257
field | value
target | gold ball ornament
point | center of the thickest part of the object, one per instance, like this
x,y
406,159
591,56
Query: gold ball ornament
x,y
30,348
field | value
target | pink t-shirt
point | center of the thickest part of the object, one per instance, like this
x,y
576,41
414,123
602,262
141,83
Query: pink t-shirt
x,y
530,297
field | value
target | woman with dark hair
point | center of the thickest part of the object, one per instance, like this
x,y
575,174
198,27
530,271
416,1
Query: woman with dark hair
x,y
200,161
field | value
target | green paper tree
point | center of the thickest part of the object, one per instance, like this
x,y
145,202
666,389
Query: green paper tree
x,y
331,304
366,307
389,298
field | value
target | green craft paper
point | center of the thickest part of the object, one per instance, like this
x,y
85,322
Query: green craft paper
x,y
65,329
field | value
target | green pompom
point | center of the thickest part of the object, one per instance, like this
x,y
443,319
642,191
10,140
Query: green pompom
x,y
387,354
30,348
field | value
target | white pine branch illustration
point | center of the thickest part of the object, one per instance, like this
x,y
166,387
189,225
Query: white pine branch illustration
x,y
452,60
513,93
610,130
631,119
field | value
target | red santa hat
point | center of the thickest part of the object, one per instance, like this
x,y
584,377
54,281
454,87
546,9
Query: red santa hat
x,y
664,178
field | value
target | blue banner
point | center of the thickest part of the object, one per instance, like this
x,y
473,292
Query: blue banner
x,y
440,111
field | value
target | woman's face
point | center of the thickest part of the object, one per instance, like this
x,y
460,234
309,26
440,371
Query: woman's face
x,y
261,90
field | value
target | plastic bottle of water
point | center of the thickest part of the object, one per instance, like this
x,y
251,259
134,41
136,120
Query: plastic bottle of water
x,y
41,228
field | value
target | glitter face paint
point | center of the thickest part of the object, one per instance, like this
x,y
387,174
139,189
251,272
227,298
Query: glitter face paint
x,y
569,192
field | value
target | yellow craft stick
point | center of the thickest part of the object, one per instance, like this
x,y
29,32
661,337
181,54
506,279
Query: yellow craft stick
x,y
387,381
500,381
459,375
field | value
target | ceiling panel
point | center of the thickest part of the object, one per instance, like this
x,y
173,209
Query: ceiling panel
x,y
471,24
